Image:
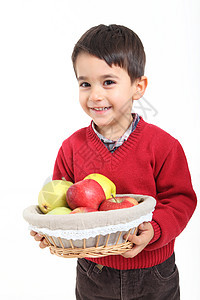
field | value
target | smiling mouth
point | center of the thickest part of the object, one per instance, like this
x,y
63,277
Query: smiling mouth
x,y
100,108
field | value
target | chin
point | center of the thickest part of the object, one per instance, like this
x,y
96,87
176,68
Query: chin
x,y
103,122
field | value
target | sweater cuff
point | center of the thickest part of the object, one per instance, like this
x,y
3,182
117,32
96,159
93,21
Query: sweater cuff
x,y
157,232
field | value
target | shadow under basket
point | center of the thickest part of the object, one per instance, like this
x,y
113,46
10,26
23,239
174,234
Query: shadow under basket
x,y
84,251
93,234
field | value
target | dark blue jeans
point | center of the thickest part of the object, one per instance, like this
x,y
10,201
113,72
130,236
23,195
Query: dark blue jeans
x,y
95,282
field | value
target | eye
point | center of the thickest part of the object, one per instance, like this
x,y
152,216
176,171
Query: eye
x,y
108,82
84,84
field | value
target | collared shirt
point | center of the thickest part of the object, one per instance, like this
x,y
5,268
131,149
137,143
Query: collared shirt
x,y
113,145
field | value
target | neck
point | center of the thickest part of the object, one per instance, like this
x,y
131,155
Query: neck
x,y
114,132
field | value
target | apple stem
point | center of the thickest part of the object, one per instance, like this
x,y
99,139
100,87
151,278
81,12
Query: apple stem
x,y
114,198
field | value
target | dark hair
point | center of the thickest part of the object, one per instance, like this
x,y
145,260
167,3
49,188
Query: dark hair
x,y
115,44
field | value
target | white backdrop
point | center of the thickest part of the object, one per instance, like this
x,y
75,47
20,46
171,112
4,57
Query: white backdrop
x,y
39,109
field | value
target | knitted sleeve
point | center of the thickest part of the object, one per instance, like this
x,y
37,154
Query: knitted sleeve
x,y
176,199
63,164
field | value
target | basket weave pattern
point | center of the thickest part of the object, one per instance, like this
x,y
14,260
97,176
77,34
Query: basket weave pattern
x,y
84,251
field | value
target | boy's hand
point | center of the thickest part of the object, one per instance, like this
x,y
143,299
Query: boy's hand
x,y
140,241
43,243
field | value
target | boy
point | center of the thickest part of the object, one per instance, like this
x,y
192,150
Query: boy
x,y
139,157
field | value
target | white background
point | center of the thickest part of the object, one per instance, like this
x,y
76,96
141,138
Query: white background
x,y
39,109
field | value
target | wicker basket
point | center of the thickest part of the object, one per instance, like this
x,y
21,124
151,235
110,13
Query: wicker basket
x,y
93,234
83,251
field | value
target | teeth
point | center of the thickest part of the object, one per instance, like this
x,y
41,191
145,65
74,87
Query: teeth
x,y
101,108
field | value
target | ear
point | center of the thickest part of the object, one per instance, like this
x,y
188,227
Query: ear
x,y
140,87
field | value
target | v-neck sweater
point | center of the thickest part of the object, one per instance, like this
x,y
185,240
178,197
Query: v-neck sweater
x,y
112,145
150,162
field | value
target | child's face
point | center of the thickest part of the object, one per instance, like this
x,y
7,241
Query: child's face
x,y
106,94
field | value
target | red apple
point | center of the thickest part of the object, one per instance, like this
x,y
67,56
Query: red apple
x,y
82,210
117,203
85,193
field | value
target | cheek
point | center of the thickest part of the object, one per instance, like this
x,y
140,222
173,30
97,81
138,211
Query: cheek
x,y
121,99
83,102
82,99
115,96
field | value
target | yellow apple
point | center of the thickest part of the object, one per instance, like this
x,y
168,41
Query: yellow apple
x,y
53,194
60,211
107,185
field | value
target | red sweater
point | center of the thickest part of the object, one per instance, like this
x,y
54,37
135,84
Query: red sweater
x,y
150,162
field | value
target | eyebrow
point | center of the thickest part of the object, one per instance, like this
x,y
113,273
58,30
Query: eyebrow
x,y
101,77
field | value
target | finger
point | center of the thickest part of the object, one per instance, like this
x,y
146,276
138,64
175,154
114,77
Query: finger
x,y
129,237
43,244
133,252
33,233
133,239
38,237
144,226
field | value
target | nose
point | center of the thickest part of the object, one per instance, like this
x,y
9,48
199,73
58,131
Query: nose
x,y
96,94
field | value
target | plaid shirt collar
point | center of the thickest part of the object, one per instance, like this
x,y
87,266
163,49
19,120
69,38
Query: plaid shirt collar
x,y
113,145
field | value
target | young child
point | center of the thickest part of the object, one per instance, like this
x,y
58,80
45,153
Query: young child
x,y
138,157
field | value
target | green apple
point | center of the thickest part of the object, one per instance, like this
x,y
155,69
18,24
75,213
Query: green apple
x,y
107,185
53,194
60,211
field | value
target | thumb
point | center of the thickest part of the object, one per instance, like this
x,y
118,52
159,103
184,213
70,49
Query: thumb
x,y
141,226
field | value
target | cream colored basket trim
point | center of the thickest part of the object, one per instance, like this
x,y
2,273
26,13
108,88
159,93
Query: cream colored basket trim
x,y
88,233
